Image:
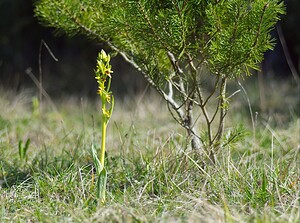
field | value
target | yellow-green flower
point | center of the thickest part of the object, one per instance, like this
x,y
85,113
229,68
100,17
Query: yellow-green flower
x,y
108,71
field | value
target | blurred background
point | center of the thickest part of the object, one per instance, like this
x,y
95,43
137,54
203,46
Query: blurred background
x,y
22,38
22,41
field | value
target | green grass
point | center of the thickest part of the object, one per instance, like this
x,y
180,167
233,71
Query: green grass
x,y
152,177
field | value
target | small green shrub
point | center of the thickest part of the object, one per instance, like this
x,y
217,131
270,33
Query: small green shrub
x,y
176,45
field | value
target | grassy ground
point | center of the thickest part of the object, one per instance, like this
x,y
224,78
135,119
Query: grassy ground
x,y
151,176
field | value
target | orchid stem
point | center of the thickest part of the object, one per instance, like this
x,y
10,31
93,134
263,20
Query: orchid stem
x,y
104,124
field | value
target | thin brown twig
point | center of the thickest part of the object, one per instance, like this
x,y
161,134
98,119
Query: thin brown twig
x,y
213,91
223,110
287,55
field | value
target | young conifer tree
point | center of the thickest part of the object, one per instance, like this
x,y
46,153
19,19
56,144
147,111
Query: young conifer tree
x,y
176,45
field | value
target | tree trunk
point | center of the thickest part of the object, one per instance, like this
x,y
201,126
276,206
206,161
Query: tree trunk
x,y
189,126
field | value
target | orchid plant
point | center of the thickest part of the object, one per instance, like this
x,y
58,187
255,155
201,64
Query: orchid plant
x,y
103,76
